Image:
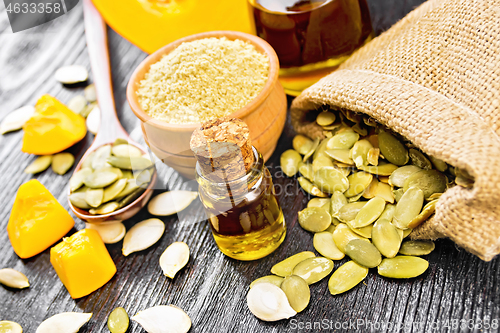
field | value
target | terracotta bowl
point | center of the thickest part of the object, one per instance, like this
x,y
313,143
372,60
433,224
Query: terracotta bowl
x,y
265,115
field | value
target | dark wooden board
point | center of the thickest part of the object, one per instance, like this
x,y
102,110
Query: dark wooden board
x,y
458,288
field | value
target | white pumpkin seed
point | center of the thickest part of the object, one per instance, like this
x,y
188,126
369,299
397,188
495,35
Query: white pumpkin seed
x,y
417,247
39,164
77,104
324,244
171,202
66,322
346,277
94,120
15,120
269,302
62,162
13,279
274,279
110,232
143,235
7,326
174,258
90,93
285,267
71,74
163,319
76,181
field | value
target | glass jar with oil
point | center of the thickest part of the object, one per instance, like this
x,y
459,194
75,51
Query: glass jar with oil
x,y
311,37
246,219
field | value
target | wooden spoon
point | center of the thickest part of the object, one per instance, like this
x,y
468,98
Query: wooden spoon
x,y
111,129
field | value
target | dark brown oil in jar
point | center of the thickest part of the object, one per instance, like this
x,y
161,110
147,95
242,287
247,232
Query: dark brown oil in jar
x,y
310,31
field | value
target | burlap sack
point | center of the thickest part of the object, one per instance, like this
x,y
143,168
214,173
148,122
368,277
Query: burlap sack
x,y
434,78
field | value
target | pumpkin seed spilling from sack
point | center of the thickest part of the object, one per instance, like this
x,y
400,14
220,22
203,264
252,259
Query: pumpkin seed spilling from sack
x,y
66,322
118,321
142,235
417,247
174,258
163,318
269,302
7,326
346,277
402,267
40,164
171,202
11,278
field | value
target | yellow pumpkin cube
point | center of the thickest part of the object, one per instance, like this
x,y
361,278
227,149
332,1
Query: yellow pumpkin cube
x,y
37,220
52,128
82,262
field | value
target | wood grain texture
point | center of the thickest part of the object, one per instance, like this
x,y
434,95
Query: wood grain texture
x,y
212,288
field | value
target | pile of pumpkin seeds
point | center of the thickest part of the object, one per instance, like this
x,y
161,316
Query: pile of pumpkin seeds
x,y
110,178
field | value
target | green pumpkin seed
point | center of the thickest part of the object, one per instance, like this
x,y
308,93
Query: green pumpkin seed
x,y
329,179
358,183
39,164
87,162
331,228
322,161
127,174
312,150
346,277
313,270
337,201
274,279
417,247
77,104
314,219
370,122
101,156
325,118
126,150
310,188
419,159
358,128
382,169
383,179
386,238
429,181
144,177
130,198
364,231
321,149
349,211
356,198
372,156
343,140
434,196
370,191
402,267
388,213
118,321
384,191
113,190
360,152
426,212
302,144
440,165
132,163
464,181
100,179
324,244
392,149
62,162
76,181
77,199
398,194
14,279
120,141
369,213
318,202
285,267
105,208
289,162
116,171
341,155
342,235
398,177
297,291
130,187
408,207
94,197
364,253
306,170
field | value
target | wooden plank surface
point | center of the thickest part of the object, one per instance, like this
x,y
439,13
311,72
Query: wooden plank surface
x,y
458,288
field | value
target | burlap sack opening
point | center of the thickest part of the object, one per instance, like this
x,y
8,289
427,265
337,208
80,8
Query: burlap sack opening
x,y
434,78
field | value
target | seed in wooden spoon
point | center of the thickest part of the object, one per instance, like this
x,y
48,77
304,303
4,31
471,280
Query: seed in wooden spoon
x,y
94,120
94,197
66,322
129,163
76,181
39,165
143,235
274,279
13,279
346,277
126,150
15,120
99,179
62,162
110,232
106,208
113,190
297,291
77,199
172,202
100,157
285,267
163,318
269,303
408,207
174,258
118,321
72,74
77,104
7,326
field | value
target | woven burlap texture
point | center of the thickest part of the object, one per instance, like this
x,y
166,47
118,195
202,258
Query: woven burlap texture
x,y
434,78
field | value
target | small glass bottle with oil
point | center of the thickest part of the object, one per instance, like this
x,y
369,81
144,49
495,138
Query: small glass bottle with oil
x,y
246,219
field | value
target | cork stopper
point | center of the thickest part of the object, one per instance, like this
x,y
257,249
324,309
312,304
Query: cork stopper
x,y
223,149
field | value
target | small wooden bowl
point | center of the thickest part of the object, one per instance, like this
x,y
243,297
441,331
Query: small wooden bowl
x,y
265,115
